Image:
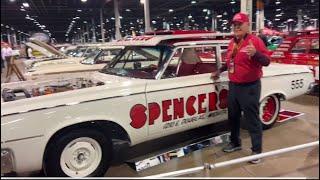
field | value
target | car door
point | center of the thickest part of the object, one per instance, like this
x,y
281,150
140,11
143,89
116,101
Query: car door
x,y
299,52
184,96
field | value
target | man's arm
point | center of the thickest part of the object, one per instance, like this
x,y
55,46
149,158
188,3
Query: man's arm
x,y
262,54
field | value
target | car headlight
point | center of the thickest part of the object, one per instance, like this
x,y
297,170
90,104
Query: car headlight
x,y
7,161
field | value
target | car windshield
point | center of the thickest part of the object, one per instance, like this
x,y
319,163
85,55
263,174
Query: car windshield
x,y
91,57
138,62
80,52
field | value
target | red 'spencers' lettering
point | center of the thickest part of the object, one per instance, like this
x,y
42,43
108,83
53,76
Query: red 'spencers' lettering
x,y
172,109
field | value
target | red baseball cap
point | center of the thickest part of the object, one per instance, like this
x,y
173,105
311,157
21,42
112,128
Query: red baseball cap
x,y
240,17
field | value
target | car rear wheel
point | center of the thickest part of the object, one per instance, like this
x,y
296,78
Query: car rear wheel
x,y
78,153
269,111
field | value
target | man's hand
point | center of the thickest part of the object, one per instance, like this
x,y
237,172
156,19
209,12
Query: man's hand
x,y
215,75
251,50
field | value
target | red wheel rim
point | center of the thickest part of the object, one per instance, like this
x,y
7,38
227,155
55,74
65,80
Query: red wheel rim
x,y
269,110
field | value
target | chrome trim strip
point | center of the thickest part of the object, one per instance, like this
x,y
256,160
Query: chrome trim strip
x,y
31,137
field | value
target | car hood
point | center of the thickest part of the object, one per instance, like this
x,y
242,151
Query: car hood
x,y
42,50
114,86
47,47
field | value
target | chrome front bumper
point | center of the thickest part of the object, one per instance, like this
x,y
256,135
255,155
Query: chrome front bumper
x,y
7,161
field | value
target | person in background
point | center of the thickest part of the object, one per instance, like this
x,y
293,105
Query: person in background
x,y
6,53
263,37
29,53
2,60
245,57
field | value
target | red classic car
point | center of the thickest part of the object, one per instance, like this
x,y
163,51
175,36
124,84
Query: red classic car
x,y
301,49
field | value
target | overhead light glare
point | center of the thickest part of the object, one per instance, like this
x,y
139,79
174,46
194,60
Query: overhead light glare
x,y
25,5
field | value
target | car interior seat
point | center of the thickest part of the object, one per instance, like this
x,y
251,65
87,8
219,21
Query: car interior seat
x,y
189,60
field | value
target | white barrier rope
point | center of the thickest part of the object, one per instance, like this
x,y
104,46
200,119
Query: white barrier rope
x,y
234,161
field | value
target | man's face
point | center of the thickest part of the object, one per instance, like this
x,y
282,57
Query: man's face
x,y
240,29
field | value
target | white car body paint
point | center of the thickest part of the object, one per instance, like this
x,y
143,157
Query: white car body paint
x,y
28,124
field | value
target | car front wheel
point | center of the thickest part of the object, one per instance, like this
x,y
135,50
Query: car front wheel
x,y
79,153
269,111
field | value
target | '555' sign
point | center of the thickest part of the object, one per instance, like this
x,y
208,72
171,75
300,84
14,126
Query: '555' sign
x,y
191,106
296,84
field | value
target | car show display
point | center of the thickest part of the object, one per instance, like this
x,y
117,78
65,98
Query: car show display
x,y
155,91
149,88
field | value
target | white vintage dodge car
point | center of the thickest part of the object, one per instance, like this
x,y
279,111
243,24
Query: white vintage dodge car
x,y
99,56
156,86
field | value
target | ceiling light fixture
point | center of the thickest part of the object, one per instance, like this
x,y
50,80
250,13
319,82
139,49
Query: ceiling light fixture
x,y
25,4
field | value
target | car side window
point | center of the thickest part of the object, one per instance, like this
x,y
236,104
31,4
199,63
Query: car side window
x,y
314,46
192,61
104,57
301,46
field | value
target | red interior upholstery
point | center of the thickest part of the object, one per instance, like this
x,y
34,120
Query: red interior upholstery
x,y
199,68
186,69
203,68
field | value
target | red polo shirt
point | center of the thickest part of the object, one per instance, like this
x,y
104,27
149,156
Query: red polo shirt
x,y
247,69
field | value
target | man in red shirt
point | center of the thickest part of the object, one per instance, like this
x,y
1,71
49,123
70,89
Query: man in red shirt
x,y
246,55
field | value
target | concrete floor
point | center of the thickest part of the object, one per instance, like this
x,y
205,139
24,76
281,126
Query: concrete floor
x,y
302,163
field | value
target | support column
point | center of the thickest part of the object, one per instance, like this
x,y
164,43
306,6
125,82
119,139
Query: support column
x,y
186,24
14,38
260,15
246,7
299,24
147,16
213,21
20,39
94,39
117,20
87,32
166,25
102,25
315,23
8,36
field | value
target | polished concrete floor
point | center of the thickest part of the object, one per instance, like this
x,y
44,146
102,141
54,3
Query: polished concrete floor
x,y
302,163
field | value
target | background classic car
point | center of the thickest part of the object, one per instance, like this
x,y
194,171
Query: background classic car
x,y
69,126
99,56
302,48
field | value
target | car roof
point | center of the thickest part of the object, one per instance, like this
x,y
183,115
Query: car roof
x,y
153,40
